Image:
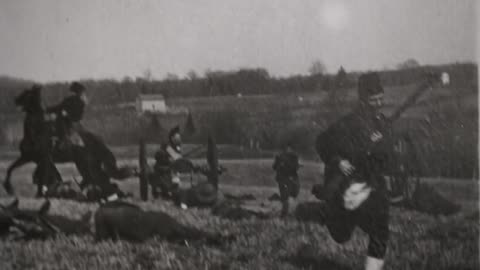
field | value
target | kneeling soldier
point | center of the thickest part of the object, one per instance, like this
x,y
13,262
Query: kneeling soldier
x,y
166,180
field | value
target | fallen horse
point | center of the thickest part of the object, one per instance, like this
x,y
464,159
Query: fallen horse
x,y
38,224
120,220
233,210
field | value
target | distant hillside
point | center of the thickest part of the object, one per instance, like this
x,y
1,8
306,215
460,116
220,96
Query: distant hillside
x,y
244,82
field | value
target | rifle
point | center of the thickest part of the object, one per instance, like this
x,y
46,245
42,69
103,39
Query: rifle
x,y
193,151
431,79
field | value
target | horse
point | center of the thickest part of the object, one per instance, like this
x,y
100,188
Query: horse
x,y
122,220
38,224
95,162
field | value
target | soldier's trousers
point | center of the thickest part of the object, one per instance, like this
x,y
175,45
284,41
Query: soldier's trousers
x,y
372,217
289,187
162,185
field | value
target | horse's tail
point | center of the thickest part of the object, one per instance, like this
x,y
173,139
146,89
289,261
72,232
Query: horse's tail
x,y
109,163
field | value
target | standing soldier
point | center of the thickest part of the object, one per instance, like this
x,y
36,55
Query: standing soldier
x,y
68,115
167,181
286,166
355,151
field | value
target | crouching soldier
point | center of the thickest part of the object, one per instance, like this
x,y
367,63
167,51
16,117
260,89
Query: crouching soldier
x,y
355,152
286,166
166,180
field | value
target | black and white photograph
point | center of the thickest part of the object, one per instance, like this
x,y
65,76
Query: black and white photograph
x,y
239,134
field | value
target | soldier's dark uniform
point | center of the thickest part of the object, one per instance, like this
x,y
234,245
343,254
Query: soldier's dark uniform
x,y
351,139
286,166
162,183
69,113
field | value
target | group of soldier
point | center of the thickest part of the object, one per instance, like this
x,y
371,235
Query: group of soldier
x,y
354,150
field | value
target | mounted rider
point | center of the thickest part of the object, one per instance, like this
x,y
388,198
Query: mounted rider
x,y
166,180
67,116
356,153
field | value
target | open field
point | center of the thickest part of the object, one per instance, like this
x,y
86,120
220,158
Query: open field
x,y
418,241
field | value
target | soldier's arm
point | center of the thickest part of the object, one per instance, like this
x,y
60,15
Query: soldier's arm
x,y
328,147
337,143
297,163
74,108
55,109
161,160
61,109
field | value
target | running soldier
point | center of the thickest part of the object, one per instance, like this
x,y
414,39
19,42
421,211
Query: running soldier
x,y
286,166
355,151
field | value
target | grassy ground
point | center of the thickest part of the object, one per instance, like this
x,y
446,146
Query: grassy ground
x,y
418,241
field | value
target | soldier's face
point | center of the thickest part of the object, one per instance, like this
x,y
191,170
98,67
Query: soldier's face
x,y
375,101
177,139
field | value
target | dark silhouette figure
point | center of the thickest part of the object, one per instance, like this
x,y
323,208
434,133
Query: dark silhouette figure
x,y
120,220
286,167
95,162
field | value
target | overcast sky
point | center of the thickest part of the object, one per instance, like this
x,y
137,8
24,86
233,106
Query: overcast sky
x,y
52,40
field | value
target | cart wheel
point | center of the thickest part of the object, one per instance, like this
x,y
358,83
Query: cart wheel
x,y
142,160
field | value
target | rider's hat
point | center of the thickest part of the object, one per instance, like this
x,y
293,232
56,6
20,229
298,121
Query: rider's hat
x,y
77,88
368,85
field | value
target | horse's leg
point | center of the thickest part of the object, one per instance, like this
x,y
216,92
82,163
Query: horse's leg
x,y
109,162
37,179
98,149
83,168
17,163
47,176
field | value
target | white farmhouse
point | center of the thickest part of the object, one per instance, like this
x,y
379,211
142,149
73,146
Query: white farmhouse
x,y
151,103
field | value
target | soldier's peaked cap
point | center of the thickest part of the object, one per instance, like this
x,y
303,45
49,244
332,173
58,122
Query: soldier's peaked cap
x,y
368,85
173,131
77,88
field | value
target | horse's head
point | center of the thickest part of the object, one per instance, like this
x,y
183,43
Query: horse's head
x,y
31,223
30,99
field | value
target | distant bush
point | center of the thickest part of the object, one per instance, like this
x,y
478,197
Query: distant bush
x,y
246,82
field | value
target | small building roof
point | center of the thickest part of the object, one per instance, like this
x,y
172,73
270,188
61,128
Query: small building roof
x,y
151,97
